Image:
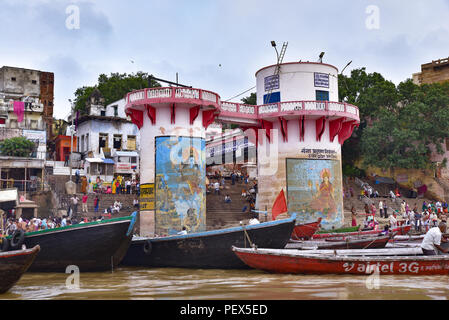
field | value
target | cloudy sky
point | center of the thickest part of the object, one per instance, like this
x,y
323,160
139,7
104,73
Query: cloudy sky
x,y
216,45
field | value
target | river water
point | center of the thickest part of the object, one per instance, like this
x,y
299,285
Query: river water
x,y
167,284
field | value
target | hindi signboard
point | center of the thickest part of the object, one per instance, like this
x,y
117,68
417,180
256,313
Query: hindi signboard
x,y
321,80
146,201
271,82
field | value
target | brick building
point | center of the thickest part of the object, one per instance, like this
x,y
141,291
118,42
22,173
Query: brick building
x,y
435,71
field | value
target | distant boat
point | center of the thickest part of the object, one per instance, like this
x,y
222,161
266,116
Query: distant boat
x,y
13,264
210,249
305,230
349,243
93,246
402,230
408,261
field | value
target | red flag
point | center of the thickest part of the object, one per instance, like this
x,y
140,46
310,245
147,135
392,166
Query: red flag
x,y
279,206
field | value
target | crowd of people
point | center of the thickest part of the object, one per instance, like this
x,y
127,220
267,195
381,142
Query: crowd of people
x,y
421,219
36,224
120,184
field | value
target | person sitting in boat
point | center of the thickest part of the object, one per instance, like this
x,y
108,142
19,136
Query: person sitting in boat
x,y
254,219
432,240
183,231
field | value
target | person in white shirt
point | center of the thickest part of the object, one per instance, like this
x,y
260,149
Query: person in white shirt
x,y
381,209
254,221
217,187
392,195
432,240
183,232
393,221
433,219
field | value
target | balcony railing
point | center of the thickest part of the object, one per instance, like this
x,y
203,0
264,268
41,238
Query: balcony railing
x,y
288,107
173,93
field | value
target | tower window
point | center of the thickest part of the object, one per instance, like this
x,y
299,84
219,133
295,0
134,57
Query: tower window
x,y
322,95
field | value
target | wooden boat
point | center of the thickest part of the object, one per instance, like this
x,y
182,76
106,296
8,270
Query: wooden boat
x,y
210,249
339,230
402,230
13,264
305,230
409,261
94,246
348,243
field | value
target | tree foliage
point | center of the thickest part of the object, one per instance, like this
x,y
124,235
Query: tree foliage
x,y
399,125
17,147
113,87
251,99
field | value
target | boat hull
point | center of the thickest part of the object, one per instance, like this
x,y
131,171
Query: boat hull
x,y
305,231
325,264
371,243
211,249
97,247
403,230
13,264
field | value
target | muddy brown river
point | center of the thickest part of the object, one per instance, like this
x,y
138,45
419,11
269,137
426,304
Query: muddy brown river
x,y
167,284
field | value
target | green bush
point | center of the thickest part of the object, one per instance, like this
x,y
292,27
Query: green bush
x,y
17,147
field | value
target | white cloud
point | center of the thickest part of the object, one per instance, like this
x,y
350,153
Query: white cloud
x,y
194,37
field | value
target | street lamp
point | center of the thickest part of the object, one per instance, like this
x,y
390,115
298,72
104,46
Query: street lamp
x,y
71,137
345,67
321,57
273,44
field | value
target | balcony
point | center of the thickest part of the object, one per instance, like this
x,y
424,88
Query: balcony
x,y
172,95
238,112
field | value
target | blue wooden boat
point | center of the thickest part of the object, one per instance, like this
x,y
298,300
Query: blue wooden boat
x,y
210,249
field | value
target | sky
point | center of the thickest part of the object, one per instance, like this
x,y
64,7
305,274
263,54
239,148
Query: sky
x,y
216,45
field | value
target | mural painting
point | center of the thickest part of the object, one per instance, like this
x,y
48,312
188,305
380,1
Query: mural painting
x,y
180,185
314,189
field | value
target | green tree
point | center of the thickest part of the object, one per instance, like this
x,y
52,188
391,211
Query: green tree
x,y
113,87
402,136
251,99
17,147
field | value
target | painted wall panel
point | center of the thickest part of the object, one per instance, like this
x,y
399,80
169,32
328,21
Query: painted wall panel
x,y
180,184
314,190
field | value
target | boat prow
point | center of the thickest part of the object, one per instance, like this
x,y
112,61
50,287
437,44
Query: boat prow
x,y
13,264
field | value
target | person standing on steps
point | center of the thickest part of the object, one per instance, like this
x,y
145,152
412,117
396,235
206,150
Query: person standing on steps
x,y
84,202
381,208
96,204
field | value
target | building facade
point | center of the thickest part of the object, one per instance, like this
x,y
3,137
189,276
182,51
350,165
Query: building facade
x,y
298,127
22,112
435,71
106,132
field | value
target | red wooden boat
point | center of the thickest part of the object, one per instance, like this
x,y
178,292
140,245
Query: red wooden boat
x,y
402,230
306,230
409,261
349,243
13,264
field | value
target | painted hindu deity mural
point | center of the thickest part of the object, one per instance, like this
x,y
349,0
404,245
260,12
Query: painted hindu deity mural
x,y
180,185
314,189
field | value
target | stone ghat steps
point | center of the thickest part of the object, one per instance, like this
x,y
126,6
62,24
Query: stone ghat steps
x,y
222,215
106,200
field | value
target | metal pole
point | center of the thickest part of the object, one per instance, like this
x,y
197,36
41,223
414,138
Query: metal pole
x,y
71,141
